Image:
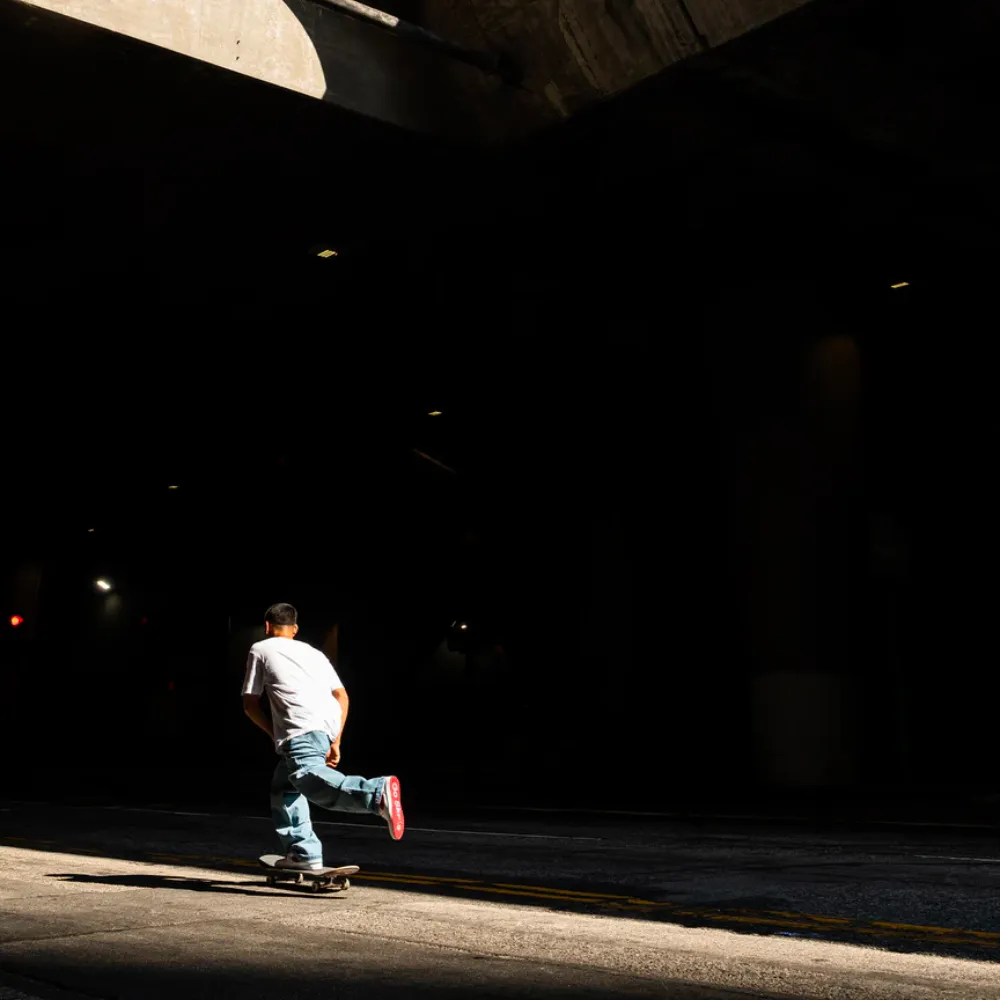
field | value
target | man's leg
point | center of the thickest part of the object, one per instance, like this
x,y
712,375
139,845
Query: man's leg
x,y
323,786
290,813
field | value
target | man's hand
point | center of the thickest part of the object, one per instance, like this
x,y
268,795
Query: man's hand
x,y
333,757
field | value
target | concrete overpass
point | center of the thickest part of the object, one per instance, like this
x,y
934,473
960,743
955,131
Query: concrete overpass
x,y
564,55
269,128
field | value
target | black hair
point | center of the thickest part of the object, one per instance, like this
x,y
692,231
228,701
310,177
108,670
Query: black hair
x,y
281,614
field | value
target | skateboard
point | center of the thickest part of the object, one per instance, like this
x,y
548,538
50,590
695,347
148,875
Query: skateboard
x,y
318,879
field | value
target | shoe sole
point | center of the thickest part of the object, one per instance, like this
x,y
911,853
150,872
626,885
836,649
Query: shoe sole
x,y
395,819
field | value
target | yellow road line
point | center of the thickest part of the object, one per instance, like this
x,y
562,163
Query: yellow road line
x,y
516,887
987,935
566,892
398,881
437,878
955,935
554,895
430,880
810,916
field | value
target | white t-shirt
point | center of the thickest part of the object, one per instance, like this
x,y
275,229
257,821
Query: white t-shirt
x,y
299,681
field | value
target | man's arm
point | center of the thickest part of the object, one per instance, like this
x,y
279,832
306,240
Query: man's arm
x,y
333,757
254,711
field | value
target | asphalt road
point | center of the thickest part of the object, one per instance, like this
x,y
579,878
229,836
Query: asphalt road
x,y
124,903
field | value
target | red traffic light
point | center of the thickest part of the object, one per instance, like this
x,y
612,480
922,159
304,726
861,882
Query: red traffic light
x,y
16,620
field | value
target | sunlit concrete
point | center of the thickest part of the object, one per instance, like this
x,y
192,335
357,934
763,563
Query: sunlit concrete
x,y
260,38
301,46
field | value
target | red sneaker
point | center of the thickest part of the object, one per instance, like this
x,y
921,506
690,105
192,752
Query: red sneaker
x,y
390,807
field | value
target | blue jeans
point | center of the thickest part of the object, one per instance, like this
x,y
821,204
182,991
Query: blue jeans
x,y
303,776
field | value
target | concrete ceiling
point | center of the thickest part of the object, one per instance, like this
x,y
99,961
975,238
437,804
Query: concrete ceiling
x,y
840,130
571,53
840,136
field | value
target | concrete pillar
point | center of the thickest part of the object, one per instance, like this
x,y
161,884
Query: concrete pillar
x,y
790,403
804,693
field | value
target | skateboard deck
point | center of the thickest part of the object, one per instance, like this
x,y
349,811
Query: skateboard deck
x,y
335,879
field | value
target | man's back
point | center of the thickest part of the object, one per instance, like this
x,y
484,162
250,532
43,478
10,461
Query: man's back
x,y
299,681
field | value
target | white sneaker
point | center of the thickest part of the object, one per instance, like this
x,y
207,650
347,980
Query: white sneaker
x,y
298,865
390,807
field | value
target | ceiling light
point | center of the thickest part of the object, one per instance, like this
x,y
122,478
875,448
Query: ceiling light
x,y
171,487
902,284
102,584
328,253
434,413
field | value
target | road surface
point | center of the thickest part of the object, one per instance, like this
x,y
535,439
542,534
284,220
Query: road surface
x,y
136,903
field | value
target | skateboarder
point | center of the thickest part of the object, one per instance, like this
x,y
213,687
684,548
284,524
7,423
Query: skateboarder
x,y
308,710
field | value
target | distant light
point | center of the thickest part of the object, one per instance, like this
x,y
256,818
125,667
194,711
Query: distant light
x,y
16,620
902,284
463,627
90,531
434,413
172,487
102,584
328,253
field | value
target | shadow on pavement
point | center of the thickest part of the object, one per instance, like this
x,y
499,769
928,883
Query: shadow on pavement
x,y
179,882
366,974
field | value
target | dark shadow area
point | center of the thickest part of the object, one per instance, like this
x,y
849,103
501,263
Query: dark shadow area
x,y
618,548
712,466
174,882
316,980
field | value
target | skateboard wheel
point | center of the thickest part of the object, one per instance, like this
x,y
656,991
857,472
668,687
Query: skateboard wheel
x,y
346,884
316,887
